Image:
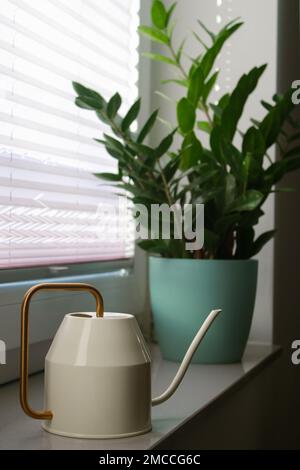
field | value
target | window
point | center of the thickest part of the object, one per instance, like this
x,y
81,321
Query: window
x,y
51,204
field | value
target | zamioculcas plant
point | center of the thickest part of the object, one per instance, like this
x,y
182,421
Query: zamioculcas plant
x,y
232,176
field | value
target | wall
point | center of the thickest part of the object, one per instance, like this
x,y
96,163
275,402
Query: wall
x,y
254,44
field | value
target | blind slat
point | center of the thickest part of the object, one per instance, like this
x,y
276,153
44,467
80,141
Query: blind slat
x,y
52,208
63,29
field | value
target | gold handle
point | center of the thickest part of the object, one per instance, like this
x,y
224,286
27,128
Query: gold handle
x,y
24,337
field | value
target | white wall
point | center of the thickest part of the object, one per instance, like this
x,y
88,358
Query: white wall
x,y
254,44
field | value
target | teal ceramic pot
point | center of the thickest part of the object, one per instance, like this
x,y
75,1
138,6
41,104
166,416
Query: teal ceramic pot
x,y
184,291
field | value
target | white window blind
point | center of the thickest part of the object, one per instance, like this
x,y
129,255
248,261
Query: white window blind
x,y
52,208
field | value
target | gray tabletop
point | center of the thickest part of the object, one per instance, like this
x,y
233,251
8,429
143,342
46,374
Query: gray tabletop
x,y
201,387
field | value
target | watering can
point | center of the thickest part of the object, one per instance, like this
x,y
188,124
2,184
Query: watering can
x,y
97,372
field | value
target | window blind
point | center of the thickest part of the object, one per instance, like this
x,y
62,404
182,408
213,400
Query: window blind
x,y
53,209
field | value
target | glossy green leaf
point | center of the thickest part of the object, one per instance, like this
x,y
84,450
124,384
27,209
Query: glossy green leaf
x,y
191,151
210,33
210,56
237,101
271,125
183,83
86,102
180,51
254,142
208,86
261,241
154,34
81,90
109,176
186,115
146,129
165,145
160,58
159,14
114,143
131,116
248,202
217,145
170,12
196,85
113,105
204,126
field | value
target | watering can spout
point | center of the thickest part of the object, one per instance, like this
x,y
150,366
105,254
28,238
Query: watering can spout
x,y
187,359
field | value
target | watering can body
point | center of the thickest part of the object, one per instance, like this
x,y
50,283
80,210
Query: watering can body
x,y
97,373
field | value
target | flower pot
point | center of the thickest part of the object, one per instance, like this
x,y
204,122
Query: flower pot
x,y
184,291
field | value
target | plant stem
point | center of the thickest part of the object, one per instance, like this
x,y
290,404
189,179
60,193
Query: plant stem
x,y
177,62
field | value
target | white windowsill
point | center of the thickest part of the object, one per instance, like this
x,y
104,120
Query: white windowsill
x,y
211,382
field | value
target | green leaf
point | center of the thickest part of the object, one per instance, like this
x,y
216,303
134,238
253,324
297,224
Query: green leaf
x,y
159,14
191,151
154,34
113,143
180,51
109,176
254,142
210,33
272,124
219,108
261,241
141,150
147,127
170,12
237,100
164,145
196,86
204,126
183,83
217,145
248,202
103,116
159,58
131,115
186,115
87,92
200,40
113,152
114,105
171,168
208,86
210,56
254,150
86,102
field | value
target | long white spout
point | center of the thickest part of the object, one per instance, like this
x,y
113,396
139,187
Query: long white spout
x,y
187,359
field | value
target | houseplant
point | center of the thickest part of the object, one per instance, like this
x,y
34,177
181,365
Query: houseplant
x,y
232,180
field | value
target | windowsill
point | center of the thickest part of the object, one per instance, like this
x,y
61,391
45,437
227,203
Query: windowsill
x,y
211,381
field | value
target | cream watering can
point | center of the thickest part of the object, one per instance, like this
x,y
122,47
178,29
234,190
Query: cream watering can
x,y
97,372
